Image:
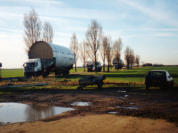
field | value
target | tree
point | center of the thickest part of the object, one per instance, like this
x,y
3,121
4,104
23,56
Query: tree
x,y
48,32
32,25
103,50
117,47
83,54
108,52
137,60
74,48
93,39
132,59
129,57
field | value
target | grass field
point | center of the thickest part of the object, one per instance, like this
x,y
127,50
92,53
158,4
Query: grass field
x,y
135,75
7,73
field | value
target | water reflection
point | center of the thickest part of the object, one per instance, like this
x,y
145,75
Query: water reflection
x,y
81,104
17,112
35,112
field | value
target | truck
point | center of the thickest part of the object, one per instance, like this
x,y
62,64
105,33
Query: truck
x,y
91,66
118,63
45,58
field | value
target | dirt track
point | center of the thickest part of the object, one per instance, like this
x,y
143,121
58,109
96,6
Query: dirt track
x,y
94,124
155,104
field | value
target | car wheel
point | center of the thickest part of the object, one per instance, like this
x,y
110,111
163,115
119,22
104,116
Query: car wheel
x,y
164,87
171,86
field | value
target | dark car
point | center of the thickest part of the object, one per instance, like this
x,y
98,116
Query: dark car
x,y
91,66
159,78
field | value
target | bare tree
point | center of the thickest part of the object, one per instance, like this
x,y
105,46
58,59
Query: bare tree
x,y
74,48
117,47
48,32
132,58
108,52
137,60
129,57
83,54
93,39
103,49
32,25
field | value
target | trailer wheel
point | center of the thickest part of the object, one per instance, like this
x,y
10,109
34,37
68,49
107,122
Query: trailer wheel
x,y
27,75
65,73
57,73
100,84
147,87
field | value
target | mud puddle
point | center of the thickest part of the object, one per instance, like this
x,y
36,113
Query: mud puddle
x,y
18,112
128,107
81,104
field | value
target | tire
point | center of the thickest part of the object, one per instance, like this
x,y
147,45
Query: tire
x,y
80,88
100,85
147,87
164,87
57,73
27,75
172,85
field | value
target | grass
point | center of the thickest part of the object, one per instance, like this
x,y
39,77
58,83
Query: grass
x,y
7,73
135,75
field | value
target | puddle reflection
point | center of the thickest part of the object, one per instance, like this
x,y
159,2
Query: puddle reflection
x,y
17,112
81,104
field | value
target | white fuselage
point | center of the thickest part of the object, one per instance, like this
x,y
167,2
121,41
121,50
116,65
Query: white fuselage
x,y
64,57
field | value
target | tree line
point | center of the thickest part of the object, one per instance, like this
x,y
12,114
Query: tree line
x,y
98,46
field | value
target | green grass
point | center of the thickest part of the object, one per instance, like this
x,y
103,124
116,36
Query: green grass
x,y
135,75
7,73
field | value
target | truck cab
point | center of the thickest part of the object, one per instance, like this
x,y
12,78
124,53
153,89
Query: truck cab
x,y
38,66
32,67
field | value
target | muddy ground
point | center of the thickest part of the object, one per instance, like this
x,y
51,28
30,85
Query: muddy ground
x,y
154,103
120,101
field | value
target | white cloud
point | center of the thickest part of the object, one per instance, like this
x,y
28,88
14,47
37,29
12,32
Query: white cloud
x,y
47,2
159,15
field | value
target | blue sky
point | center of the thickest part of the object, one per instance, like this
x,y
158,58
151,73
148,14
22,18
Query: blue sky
x,y
150,27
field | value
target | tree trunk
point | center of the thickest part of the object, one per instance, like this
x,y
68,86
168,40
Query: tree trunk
x,y
108,67
104,65
95,62
75,67
84,68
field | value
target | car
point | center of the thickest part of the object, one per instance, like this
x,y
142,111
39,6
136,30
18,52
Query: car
x,y
159,78
91,66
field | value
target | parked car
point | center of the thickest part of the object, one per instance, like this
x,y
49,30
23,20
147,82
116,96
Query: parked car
x,y
159,78
91,66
